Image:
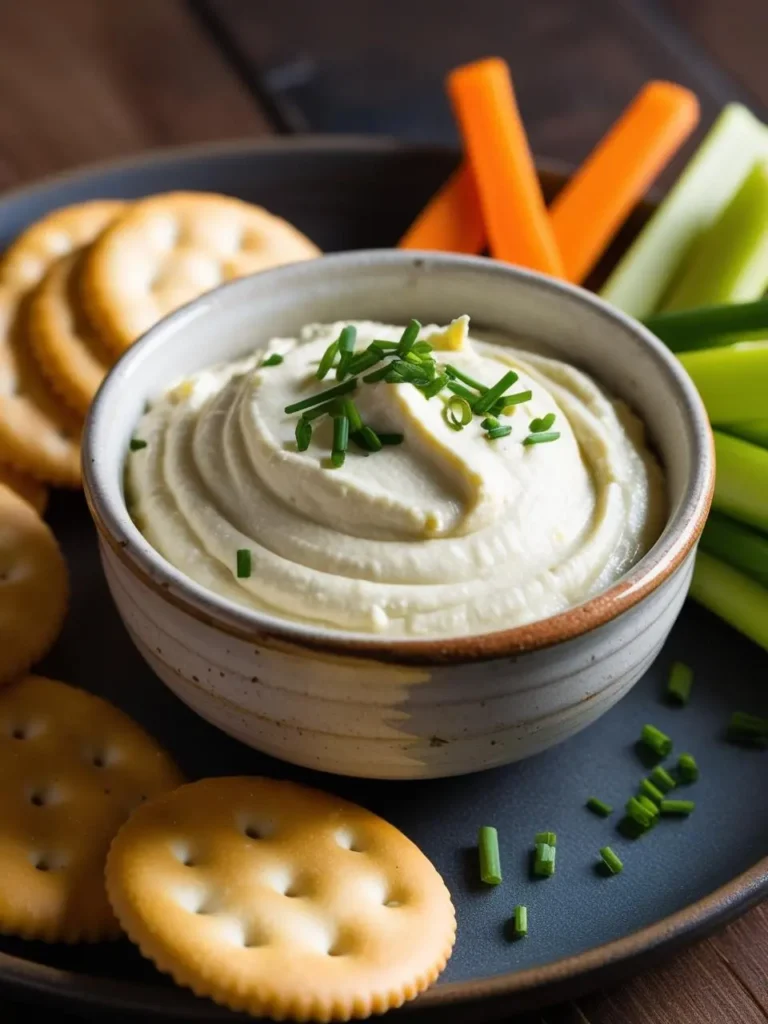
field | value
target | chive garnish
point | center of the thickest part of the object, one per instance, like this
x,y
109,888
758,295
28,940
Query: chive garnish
x,y
661,778
640,814
403,372
422,348
461,391
540,425
496,432
520,924
391,439
274,360
649,805
654,738
377,375
610,860
435,387
340,440
748,729
352,414
550,838
488,850
452,371
137,444
653,793
544,860
677,806
323,396
489,423
243,563
347,340
488,397
368,438
411,357
457,413
408,339
687,768
508,401
599,807
303,434
679,683
327,361
364,361
542,438
321,410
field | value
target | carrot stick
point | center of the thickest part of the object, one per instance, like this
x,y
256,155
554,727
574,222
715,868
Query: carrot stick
x,y
452,220
497,149
593,205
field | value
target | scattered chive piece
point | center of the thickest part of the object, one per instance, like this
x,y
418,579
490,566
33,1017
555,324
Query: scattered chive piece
x,y
465,379
489,423
550,838
496,432
656,740
541,425
652,792
649,805
323,396
377,375
457,413
508,401
599,807
274,360
611,861
521,921
661,778
408,339
382,345
679,683
687,768
340,440
320,410
303,434
364,361
391,439
459,389
544,860
746,728
327,361
413,358
542,438
677,806
490,861
422,348
137,444
630,828
368,438
402,372
488,397
639,813
243,563
347,340
350,411
436,386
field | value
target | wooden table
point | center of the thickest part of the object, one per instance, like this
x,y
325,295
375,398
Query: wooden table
x,y
81,80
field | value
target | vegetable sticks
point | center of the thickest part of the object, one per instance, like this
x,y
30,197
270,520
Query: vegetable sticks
x,y
688,329
589,210
732,381
732,596
741,483
452,220
738,545
497,149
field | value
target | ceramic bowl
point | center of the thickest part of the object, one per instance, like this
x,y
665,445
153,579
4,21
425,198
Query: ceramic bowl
x,y
381,707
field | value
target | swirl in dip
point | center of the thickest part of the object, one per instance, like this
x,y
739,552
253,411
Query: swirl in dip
x,y
448,533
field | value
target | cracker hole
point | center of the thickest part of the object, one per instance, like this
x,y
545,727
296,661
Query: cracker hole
x,y
37,799
18,733
98,761
393,903
348,842
42,865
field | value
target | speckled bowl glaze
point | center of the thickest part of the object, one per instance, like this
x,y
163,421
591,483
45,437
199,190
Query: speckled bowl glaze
x,y
381,708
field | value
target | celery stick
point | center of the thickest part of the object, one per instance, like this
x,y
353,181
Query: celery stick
x,y
755,431
738,545
732,381
710,325
725,157
741,483
742,602
729,263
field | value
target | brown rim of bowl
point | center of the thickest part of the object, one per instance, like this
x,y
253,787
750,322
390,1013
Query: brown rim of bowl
x,y
676,542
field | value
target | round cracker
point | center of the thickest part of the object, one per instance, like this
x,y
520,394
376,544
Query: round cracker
x,y
73,768
65,346
27,487
168,249
280,900
38,434
33,586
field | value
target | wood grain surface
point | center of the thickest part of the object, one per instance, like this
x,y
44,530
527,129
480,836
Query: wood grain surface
x,y
83,80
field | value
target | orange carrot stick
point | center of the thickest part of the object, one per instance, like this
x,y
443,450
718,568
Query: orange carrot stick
x,y
452,220
497,148
598,198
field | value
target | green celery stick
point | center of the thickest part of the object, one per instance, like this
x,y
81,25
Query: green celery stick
x,y
688,329
738,545
741,483
736,598
643,275
732,381
730,262
755,431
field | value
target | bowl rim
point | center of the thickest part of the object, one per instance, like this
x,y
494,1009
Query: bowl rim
x,y
682,528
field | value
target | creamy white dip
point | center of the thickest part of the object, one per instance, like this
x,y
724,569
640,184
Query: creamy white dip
x,y
446,534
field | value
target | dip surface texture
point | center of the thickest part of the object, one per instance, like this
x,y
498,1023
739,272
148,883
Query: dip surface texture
x,y
446,534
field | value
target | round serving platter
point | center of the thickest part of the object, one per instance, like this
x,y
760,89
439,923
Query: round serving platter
x,y
681,881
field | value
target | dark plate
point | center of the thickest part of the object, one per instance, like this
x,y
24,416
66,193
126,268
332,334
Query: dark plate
x,y
679,882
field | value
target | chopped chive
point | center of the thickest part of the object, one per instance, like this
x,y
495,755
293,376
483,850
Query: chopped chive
x,y
639,813
490,861
391,439
748,729
679,683
364,361
677,806
542,438
520,924
489,423
541,424
654,738
544,860
303,434
687,768
137,444
661,778
413,358
461,391
383,345
489,396
649,805
243,563
377,375
408,339
350,411
347,340
368,438
508,401
435,387
550,838
323,396
320,410
457,413
465,379
327,361
402,372
631,828
274,360
653,793
611,860
422,348
496,432
340,440
599,807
